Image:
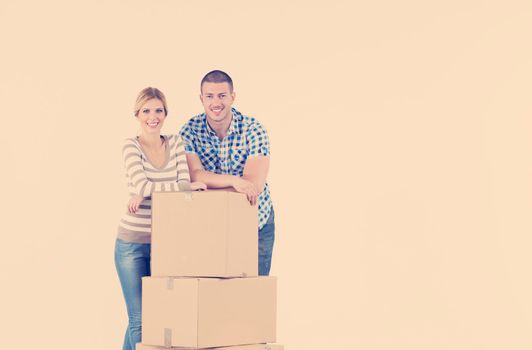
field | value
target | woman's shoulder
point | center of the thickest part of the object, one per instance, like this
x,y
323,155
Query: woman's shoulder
x,y
133,140
130,144
174,140
173,137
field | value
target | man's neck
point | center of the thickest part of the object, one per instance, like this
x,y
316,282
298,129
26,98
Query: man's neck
x,y
222,127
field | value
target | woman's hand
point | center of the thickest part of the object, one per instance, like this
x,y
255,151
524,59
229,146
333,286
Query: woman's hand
x,y
134,203
195,186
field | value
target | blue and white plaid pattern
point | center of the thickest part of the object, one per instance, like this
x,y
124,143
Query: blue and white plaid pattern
x,y
245,138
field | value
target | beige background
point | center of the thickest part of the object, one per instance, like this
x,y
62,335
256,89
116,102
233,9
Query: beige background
x,y
401,168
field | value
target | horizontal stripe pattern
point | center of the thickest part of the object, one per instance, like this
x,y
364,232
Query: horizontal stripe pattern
x,y
142,178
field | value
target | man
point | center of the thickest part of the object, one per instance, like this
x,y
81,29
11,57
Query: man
x,y
227,149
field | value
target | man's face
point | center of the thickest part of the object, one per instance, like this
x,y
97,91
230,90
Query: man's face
x,y
217,100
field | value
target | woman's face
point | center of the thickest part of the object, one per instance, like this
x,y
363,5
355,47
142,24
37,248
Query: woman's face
x,y
151,116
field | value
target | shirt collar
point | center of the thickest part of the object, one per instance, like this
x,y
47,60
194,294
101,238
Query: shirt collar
x,y
233,127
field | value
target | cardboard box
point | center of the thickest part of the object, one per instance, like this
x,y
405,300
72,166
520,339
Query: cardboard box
x,y
141,346
208,234
236,347
274,347
208,312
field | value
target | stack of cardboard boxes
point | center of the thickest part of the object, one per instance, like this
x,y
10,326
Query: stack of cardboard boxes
x,y
204,290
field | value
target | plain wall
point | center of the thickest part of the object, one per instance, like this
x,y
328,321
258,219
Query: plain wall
x,y
400,169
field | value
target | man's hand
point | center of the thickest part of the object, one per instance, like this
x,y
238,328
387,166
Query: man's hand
x,y
134,203
195,186
247,187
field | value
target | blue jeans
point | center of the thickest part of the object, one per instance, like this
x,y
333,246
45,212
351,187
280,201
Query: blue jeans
x,y
132,262
266,239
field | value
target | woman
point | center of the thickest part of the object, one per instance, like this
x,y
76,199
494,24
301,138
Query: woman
x,y
153,162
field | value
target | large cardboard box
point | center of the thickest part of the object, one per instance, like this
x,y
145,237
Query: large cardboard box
x,y
236,347
209,234
274,347
208,312
141,346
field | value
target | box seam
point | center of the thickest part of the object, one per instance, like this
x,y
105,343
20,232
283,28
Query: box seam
x,y
227,234
197,314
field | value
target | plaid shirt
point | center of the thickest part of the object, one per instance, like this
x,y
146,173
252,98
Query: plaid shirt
x,y
245,138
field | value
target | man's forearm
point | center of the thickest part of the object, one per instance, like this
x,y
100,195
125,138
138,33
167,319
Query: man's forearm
x,y
256,171
213,180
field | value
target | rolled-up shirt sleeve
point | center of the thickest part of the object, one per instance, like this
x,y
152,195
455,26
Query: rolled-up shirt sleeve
x,y
257,140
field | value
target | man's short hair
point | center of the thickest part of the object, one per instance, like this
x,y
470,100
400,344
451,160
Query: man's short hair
x,y
217,76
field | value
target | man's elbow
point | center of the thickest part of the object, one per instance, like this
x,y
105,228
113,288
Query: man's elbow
x,y
256,180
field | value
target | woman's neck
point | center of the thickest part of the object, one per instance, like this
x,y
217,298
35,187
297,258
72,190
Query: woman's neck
x,y
151,140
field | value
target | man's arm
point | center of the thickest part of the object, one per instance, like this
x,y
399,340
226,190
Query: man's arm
x,y
256,171
195,168
258,160
212,180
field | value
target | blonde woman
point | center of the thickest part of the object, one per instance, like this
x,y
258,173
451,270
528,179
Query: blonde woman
x,y
153,162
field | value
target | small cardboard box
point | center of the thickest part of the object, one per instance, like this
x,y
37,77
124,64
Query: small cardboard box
x,y
208,312
236,347
207,234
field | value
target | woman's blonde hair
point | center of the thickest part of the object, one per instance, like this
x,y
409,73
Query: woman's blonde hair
x,y
147,94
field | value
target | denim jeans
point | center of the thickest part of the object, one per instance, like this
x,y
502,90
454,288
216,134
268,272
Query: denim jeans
x,y
132,262
266,239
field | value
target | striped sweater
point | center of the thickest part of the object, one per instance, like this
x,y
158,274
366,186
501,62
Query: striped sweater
x,y
143,179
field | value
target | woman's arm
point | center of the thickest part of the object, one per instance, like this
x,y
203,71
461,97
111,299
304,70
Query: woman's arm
x,y
136,175
143,187
183,175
